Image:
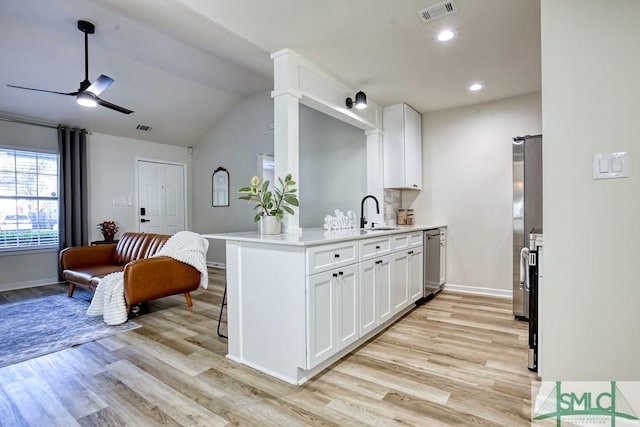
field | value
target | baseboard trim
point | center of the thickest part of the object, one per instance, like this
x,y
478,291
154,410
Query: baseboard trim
x,y
500,293
215,264
30,284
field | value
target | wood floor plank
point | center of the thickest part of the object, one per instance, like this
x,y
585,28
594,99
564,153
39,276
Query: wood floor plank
x,y
457,360
37,404
177,406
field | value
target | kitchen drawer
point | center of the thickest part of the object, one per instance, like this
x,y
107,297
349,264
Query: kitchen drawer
x,y
416,239
401,241
371,248
326,257
405,241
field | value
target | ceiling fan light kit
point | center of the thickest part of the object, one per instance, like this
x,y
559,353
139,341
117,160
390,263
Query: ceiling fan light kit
x,y
88,93
86,100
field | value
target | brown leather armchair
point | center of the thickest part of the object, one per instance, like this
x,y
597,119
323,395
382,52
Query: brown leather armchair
x,y
145,278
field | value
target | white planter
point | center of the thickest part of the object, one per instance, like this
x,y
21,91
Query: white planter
x,y
270,225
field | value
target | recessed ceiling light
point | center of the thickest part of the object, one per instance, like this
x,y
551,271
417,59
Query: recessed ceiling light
x,y
475,87
445,35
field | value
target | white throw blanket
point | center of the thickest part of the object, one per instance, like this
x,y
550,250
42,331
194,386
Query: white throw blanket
x,y
184,246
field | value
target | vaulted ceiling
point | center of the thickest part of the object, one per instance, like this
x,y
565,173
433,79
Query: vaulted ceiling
x,y
181,65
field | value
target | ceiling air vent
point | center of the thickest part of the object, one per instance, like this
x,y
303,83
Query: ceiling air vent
x,y
144,128
437,11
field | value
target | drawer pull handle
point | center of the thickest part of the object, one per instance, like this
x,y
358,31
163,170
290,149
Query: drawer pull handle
x,y
335,274
340,273
377,246
410,252
336,256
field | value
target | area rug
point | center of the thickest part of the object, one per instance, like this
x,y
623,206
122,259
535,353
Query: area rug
x,y
43,325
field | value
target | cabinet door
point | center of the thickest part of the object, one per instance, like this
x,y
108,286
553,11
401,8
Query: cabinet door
x,y
320,321
393,146
368,312
346,292
383,281
415,274
399,284
412,148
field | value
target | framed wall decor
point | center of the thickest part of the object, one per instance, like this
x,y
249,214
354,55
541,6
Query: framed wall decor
x,y
220,187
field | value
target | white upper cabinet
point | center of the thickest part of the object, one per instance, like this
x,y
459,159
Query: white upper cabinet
x,y
402,147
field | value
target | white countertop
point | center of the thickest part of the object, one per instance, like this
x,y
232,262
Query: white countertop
x,y
316,236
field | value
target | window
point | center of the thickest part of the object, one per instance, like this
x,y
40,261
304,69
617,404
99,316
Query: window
x,y
28,199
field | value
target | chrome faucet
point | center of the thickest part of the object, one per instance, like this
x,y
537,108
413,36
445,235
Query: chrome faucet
x,y
363,221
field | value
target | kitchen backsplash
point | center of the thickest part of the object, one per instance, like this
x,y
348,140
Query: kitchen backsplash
x,y
392,202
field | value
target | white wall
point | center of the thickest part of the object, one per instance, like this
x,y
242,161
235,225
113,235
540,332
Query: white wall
x,y
112,173
233,143
467,184
591,104
333,167
20,269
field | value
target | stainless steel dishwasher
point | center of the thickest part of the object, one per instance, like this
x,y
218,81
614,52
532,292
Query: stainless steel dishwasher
x,y
432,283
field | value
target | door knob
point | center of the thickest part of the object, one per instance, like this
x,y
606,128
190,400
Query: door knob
x,y
145,220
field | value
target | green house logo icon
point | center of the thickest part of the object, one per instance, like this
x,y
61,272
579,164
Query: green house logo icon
x,y
609,403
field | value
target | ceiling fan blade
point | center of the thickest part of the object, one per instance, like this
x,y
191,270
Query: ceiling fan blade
x,y
44,90
100,85
113,106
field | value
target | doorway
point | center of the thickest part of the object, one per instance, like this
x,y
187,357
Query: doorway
x,y
161,197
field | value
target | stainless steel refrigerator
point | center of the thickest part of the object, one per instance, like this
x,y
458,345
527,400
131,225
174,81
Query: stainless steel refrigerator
x,y
527,213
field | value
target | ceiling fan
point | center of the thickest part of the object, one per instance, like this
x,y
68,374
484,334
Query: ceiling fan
x,y
87,94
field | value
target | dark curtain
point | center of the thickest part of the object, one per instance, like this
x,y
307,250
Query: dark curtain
x,y
73,225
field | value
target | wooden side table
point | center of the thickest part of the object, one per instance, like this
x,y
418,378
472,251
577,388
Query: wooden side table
x,y
103,242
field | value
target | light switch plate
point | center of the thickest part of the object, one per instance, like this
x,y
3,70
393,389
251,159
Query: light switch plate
x,y
611,165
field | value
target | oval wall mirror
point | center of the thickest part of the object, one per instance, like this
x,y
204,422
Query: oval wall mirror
x,y
220,187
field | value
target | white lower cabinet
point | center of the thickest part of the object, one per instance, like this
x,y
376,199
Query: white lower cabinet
x,y
333,312
348,302
368,310
400,282
406,273
415,274
375,293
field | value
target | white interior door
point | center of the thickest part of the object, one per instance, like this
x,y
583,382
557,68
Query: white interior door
x,y
161,197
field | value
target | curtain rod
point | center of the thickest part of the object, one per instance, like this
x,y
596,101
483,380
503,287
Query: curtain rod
x,y
27,122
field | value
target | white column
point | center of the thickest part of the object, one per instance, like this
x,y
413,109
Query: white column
x,y
286,147
286,137
375,177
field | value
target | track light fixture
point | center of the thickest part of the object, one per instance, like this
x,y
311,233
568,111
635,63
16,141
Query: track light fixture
x,y
360,103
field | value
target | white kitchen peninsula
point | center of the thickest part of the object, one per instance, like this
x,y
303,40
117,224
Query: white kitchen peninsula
x,y
299,302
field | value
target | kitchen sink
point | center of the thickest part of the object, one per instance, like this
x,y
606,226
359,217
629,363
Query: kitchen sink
x,y
369,230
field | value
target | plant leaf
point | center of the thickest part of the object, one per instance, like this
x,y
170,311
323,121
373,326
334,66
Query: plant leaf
x,y
289,210
292,200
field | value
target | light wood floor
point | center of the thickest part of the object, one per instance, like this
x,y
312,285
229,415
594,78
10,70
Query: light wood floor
x,y
458,360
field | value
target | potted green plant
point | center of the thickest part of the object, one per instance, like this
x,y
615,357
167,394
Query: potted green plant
x,y
271,205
